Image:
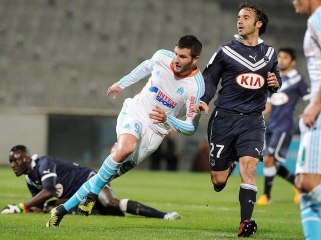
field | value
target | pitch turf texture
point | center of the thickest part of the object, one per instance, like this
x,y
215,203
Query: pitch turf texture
x,y
206,214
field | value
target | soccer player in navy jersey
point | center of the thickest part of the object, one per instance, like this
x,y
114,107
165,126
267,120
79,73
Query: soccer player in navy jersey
x,y
174,87
49,176
280,107
248,71
308,166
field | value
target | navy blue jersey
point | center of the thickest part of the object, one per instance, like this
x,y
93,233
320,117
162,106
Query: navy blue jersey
x,y
284,101
62,177
243,70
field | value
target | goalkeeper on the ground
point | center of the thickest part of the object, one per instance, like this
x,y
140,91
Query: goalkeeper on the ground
x,y
52,181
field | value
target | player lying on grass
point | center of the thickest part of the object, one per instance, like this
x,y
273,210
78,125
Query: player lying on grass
x,y
49,177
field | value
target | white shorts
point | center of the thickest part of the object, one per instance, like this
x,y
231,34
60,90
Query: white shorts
x,y
309,155
133,122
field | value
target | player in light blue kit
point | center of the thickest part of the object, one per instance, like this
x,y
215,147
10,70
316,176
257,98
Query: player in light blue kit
x,y
308,167
174,88
280,124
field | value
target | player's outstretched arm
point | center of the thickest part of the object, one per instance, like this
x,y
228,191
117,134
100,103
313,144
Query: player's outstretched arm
x,y
34,202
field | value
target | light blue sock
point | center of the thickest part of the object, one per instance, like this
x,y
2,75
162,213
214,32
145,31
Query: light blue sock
x,y
316,196
78,196
311,221
105,173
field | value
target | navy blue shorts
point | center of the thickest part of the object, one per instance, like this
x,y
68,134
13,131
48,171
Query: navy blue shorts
x,y
277,144
234,135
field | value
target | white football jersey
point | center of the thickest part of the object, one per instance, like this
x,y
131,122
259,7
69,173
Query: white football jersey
x,y
312,51
175,94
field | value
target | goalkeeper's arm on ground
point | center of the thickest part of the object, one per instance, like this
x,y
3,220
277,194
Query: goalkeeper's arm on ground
x,y
35,204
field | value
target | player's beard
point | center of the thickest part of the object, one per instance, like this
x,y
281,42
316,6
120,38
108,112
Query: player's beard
x,y
186,68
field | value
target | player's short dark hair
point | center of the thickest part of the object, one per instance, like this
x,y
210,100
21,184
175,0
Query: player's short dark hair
x,y
289,51
190,42
260,15
20,148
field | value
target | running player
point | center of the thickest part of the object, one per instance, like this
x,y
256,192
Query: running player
x,y
308,167
175,86
281,106
49,176
248,70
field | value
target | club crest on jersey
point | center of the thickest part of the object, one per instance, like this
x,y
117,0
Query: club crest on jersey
x,y
250,80
163,98
180,90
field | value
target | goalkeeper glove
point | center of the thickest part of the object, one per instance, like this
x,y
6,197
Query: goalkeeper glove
x,y
10,208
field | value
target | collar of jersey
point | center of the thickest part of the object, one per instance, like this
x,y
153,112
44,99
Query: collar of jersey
x,y
239,38
292,73
245,62
34,158
194,72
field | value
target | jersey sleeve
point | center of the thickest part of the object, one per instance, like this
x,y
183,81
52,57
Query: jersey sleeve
x,y
189,126
314,26
32,189
47,171
275,69
212,75
140,72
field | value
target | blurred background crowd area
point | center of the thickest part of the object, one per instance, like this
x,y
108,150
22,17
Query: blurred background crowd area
x,y
57,57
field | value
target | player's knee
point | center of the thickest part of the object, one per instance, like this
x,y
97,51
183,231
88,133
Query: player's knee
x,y
218,178
297,183
305,183
113,203
123,151
248,165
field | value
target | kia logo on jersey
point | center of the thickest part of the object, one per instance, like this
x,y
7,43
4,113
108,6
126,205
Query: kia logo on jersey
x,y
250,80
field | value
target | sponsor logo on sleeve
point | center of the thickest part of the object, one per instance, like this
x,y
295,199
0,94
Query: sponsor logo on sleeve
x,y
191,105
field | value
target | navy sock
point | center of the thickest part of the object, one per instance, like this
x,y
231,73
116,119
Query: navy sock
x,y
268,182
247,198
284,173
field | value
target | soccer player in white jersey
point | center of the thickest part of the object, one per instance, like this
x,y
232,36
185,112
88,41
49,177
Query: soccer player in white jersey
x,y
175,86
308,167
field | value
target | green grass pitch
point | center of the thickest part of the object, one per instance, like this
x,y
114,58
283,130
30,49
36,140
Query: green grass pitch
x,y
205,214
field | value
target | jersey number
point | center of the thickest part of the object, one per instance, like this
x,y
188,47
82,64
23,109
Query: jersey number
x,y
220,149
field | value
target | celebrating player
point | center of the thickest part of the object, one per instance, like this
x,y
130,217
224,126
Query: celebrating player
x,y
279,131
248,69
174,87
49,177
